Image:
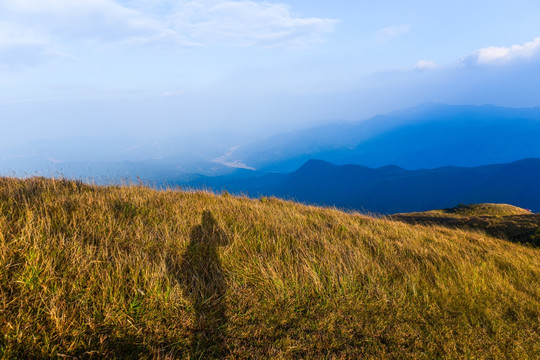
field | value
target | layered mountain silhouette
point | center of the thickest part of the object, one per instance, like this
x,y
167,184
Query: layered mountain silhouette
x,y
391,189
427,136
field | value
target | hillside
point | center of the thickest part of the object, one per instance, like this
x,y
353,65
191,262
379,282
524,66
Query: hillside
x,y
499,220
129,272
391,189
427,136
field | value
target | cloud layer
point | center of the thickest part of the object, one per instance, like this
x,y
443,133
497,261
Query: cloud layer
x,y
246,23
22,47
162,22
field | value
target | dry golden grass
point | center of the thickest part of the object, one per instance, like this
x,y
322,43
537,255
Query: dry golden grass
x,y
129,272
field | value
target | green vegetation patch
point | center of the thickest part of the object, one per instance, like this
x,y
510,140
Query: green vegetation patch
x,y
499,220
486,210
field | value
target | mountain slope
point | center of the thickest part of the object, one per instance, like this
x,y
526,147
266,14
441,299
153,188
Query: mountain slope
x,y
427,136
391,189
128,272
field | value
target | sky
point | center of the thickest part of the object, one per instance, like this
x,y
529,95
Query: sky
x,y
154,69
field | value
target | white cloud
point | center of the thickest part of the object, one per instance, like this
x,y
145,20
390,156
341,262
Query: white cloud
x,y
388,33
23,47
245,23
499,55
425,65
489,56
182,23
98,20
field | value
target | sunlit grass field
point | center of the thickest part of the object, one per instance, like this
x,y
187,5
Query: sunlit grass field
x,y
130,272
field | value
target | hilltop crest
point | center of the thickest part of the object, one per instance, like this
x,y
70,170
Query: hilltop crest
x,y
486,209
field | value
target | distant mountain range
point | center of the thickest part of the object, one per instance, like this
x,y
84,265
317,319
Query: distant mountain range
x,y
390,189
427,136
428,157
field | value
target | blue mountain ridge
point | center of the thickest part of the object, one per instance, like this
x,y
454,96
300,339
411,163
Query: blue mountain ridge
x,y
392,189
426,136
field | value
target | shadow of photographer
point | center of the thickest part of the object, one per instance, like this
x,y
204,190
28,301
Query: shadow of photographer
x,y
205,285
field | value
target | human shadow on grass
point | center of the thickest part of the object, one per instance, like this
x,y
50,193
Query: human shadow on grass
x,y
205,285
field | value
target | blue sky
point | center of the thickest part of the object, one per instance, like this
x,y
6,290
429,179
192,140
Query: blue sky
x,y
162,68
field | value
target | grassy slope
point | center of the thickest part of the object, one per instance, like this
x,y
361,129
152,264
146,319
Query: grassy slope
x,y
499,220
116,272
